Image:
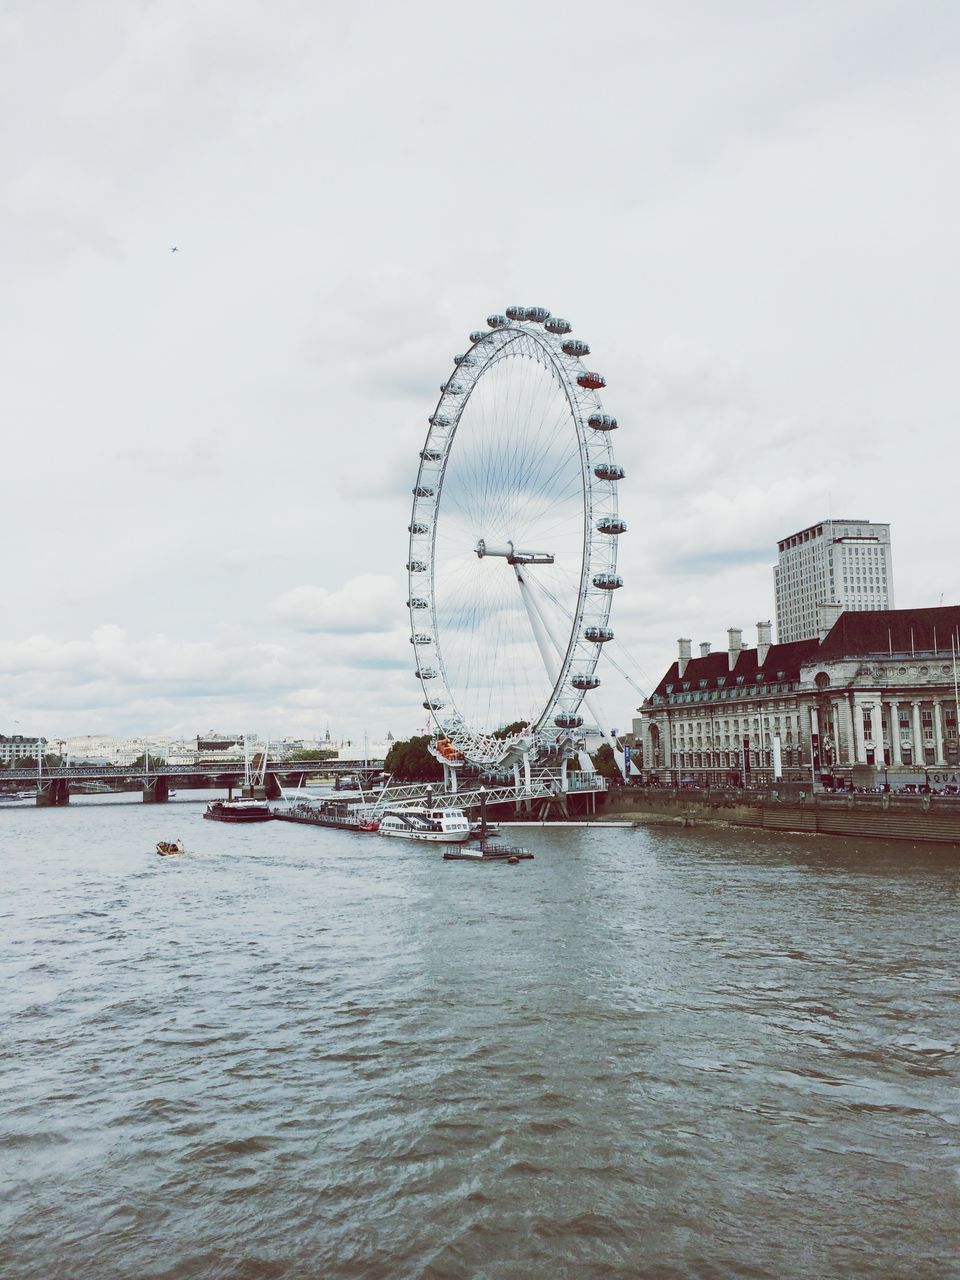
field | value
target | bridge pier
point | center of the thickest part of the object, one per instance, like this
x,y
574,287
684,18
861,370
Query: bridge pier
x,y
156,791
54,792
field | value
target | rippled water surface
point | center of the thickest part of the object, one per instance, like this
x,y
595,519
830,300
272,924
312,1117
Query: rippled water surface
x,y
300,1053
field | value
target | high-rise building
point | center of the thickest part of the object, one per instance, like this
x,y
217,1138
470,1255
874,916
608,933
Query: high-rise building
x,y
836,562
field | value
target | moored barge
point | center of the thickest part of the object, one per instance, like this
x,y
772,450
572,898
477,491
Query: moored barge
x,y
326,813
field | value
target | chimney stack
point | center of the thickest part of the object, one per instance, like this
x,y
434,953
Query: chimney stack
x,y
827,615
764,632
704,648
735,635
684,649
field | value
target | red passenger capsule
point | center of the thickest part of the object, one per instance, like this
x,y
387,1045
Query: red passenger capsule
x,y
592,381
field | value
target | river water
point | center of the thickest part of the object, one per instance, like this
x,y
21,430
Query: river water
x,y
303,1053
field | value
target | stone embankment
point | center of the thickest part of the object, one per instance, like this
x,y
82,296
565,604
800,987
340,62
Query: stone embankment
x,y
888,817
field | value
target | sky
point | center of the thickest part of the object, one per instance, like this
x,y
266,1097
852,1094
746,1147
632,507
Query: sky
x,y
748,209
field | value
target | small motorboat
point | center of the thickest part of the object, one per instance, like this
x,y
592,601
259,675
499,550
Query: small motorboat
x,y
169,848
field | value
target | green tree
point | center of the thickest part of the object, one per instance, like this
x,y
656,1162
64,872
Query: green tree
x,y
508,730
605,763
156,763
320,753
410,761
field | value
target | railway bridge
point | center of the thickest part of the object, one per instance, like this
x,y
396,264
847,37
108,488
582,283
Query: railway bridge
x,y
53,783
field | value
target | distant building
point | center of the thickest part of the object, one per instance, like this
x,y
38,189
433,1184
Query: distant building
x,y
873,698
842,562
17,747
218,742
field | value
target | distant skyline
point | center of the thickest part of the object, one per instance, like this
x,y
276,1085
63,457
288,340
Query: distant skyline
x,y
748,210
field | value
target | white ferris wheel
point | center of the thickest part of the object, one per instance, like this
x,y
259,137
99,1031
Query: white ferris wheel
x,y
513,541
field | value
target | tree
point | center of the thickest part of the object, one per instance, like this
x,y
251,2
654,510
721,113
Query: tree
x,y
508,730
156,763
410,761
321,753
605,763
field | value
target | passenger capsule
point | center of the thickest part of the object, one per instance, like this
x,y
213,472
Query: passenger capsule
x,y
612,524
516,313
417,602
566,721
434,705
592,381
574,347
607,581
421,637
439,420
609,471
416,566
418,527
537,315
556,325
451,388
478,335
586,682
431,455
423,491
425,673
497,322
598,635
602,422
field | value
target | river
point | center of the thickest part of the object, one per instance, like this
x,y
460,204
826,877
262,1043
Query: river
x,y
648,1053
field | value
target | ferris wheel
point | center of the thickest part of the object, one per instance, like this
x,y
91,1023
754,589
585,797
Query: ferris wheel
x,y
513,540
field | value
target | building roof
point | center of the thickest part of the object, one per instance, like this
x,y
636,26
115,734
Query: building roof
x,y
857,633
715,667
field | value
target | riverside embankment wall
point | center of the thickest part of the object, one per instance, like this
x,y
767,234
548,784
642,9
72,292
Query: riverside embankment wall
x,y
925,818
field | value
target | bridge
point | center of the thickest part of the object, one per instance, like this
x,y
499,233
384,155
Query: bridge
x,y
541,795
53,782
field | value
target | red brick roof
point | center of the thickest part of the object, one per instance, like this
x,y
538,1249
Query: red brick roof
x,y
885,631
716,667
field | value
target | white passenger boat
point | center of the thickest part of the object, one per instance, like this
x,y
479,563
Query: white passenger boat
x,y
440,825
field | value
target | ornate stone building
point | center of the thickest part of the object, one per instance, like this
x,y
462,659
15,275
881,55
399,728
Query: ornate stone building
x,y
881,690
873,698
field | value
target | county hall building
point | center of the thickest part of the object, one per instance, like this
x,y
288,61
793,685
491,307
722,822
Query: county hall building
x,y
872,698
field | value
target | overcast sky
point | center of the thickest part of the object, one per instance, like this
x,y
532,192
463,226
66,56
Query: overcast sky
x,y
749,209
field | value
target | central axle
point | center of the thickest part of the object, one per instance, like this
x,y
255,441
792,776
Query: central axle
x,y
511,555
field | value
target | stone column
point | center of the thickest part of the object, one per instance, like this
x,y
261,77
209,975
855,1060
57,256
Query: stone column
x,y
835,721
860,752
876,719
846,723
918,754
941,759
666,746
810,716
895,732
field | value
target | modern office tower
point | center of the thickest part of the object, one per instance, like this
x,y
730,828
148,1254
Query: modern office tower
x,y
836,562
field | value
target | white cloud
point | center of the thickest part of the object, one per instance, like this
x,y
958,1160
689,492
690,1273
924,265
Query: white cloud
x,y
370,602
745,210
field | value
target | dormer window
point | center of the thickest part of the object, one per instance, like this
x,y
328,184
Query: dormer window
x,y
669,688
781,675
703,684
721,681
739,679
686,684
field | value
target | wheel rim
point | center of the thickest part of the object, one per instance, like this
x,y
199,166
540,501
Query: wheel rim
x,y
510,458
